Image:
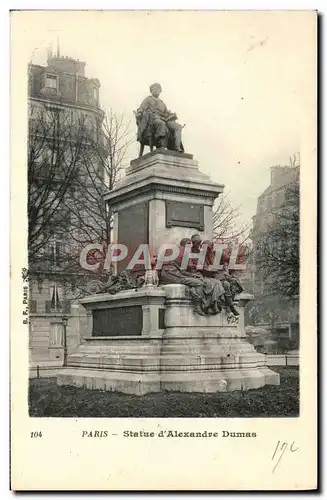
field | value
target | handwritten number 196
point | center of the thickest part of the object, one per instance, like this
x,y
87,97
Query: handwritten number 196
x,y
280,450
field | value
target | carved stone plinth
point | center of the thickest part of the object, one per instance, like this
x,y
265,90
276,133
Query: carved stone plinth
x,y
208,353
150,340
173,349
163,198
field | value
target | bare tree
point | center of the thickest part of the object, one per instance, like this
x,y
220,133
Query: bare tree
x,y
103,166
229,231
72,162
225,221
56,148
278,250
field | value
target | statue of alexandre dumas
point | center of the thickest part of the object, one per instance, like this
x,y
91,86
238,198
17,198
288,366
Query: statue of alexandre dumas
x,y
157,126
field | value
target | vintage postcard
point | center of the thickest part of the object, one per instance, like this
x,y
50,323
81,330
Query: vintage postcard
x,y
163,250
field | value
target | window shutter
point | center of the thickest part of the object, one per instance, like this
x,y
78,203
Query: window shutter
x,y
48,306
55,302
67,306
33,306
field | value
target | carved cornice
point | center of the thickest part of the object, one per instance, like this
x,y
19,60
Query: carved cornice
x,y
154,187
162,152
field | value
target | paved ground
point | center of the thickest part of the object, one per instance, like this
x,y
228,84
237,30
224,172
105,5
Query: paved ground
x,y
48,400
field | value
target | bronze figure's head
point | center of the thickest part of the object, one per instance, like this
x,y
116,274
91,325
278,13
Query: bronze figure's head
x,y
155,89
184,242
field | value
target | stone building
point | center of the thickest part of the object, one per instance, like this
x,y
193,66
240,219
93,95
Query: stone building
x,y
279,314
60,86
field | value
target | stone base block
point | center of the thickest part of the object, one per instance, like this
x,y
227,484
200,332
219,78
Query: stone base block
x,y
191,353
190,381
219,381
292,360
128,383
271,377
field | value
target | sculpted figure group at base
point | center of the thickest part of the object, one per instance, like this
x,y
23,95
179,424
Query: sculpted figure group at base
x,y
156,125
209,290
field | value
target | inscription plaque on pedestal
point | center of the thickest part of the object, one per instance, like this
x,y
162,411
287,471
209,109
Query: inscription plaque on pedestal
x,y
133,229
184,215
118,321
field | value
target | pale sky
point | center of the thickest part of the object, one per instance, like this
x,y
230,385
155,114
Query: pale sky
x,y
238,80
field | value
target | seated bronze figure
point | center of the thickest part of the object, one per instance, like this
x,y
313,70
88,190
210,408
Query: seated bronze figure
x,y
157,127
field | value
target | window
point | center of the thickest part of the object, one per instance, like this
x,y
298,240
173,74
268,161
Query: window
x,y
51,155
56,334
55,252
33,306
55,298
51,81
55,303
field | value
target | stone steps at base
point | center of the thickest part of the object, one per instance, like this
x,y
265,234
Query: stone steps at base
x,y
128,383
211,361
167,368
221,381
191,381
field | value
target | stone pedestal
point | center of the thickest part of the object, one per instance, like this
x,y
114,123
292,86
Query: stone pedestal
x,y
208,353
163,198
150,340
121,347
172,349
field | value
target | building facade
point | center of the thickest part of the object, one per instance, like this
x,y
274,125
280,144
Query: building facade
x,y
58,89
279,314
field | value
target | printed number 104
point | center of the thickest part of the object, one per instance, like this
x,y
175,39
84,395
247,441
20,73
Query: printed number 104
x,y
36,434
